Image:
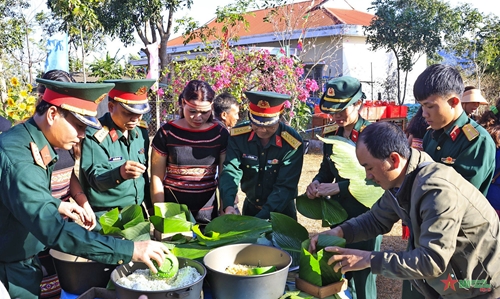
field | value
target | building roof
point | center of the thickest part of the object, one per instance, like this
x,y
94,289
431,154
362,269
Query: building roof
x,y
301,17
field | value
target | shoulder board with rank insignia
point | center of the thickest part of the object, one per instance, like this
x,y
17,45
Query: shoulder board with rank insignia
x,y
470,132
331,128
240,130
362,128
101,134
290,139
143,124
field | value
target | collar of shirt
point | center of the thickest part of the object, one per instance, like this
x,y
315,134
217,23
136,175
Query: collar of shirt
x,y
106,120
462,120
276,138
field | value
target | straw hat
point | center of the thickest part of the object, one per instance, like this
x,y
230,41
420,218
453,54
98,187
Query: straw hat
x,y
473,96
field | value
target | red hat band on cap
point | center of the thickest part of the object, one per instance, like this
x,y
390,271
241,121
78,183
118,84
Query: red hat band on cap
x,y
267,112
128,97
71,103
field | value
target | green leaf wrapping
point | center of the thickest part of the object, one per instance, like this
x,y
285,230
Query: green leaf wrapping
x,y
346,162
128,224
314,268
172,217
328,210
169,209
232,229
191,250
288,235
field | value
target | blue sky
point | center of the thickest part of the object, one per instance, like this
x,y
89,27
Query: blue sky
x,y
204,10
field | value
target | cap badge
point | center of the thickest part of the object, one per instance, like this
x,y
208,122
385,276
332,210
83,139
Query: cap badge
x,y
142,90
330,92
263,104
99,99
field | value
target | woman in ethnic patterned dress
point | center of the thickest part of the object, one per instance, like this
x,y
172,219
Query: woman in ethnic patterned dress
x,y
187,153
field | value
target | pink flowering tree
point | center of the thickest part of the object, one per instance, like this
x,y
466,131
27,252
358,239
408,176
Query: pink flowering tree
x,y
236,70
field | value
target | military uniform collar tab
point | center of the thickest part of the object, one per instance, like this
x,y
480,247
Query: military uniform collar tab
x,y
43,153
459,122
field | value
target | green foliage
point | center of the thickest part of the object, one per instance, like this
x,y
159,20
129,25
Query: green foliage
x,y
409,29
346,162
236,70
231,229
328,210
128,223
476,43
172,218
13,24
223,230
288,235
151,20
314,267
111,68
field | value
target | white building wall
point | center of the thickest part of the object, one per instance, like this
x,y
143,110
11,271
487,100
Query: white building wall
x,y
375,66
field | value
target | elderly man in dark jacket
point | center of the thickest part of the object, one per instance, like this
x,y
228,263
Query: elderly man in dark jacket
x,y
454,247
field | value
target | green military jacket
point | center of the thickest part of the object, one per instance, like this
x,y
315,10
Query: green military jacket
x,y
103,152
269,175
29,219
467,147
328,173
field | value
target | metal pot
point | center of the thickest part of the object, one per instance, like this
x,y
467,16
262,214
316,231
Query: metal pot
x,y
77,275
192,291
229,286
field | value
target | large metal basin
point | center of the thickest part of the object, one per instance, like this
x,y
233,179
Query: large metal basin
x,y
228,286
192,291
77,275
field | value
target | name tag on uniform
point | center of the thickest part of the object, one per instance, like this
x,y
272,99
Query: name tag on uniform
x,y
245,156
273,161
114,159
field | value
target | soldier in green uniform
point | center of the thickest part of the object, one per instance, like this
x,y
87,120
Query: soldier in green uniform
x,y
29,215
453,138
114,158
343,98
265,156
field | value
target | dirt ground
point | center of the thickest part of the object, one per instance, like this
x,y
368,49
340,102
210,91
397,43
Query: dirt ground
x,y
386,288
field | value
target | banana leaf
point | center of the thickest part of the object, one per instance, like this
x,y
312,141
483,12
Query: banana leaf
x,y
191,250
232,229
128,224
172,217
346,162
169,209
328,210
314,268
288,235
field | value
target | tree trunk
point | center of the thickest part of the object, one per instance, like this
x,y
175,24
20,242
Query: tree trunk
x,y
163,57
398,68
83,56
404,89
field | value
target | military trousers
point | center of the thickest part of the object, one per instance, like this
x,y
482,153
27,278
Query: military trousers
x,y
22,279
